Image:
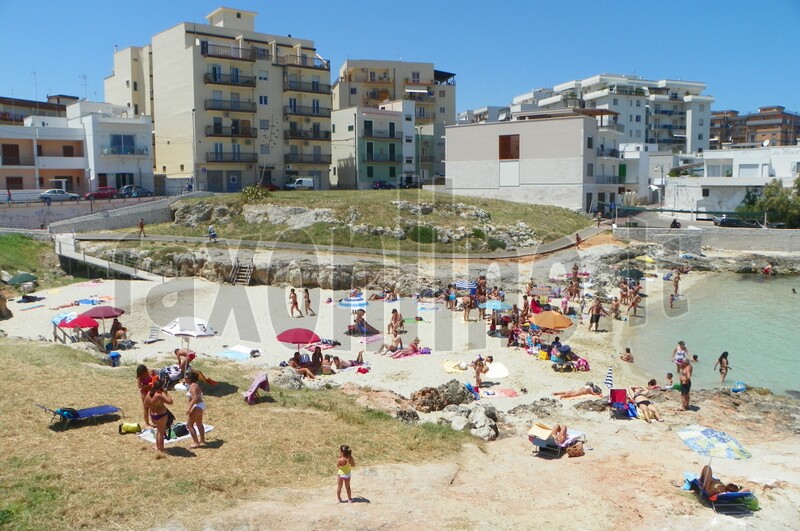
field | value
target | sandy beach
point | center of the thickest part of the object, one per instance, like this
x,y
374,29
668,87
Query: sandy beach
x,y
630,477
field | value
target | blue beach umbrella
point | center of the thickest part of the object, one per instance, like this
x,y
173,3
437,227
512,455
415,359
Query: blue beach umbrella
x,y
353,303
495,305
465,284
713,443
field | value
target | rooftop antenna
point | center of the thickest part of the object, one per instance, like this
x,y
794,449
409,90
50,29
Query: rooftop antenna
x,y
83,77
36,90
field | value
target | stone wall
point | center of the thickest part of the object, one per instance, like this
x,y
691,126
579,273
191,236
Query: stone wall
x,y
733,239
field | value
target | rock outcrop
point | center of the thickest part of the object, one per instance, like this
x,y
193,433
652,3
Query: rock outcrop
x,y
430,399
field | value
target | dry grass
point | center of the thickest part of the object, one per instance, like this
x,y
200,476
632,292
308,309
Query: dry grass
x,y
90,476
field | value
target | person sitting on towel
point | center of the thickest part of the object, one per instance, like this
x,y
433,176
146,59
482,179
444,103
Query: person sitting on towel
x,y
344,364
412,349
300,367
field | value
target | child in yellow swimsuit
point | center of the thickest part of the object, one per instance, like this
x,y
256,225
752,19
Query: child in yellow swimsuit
x,y
344,464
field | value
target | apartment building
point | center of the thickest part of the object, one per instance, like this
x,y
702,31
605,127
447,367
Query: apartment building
x,y
231,107
673,114
564,157
489,113
13,111
369,83
95,144
773,125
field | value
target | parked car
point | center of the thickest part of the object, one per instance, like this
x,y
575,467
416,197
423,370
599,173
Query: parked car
x,y
134,190
104,192
303,183
725,221
57,194
382,185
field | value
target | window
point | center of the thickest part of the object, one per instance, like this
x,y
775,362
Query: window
x,y
353,90
589,142
263,75
441,110
263,100
420,112
263,124
638,117
590,170
409,140
135,86
638,103
181,167
39,150
128,83
265,149
705,192
333,128
14,183
415,77
350,127
615,101
334,170
701,122
122,144
392,171
136,109
409,160
370,172
315,106
68,151
408,117
442,94
700,136
509,147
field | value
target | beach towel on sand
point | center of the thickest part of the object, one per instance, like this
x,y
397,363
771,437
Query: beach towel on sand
x,y
498,393
370,339
149,435
322,346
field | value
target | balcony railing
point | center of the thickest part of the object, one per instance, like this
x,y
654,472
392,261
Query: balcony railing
x,y
16,160
616,179
383,79
670,113
228,52
124,150
302,110
226,79
612,127
242,132
605,152
427,159
304,61
219,156
381,157
416,81
306,134
230,105
302,86
297,158
387,135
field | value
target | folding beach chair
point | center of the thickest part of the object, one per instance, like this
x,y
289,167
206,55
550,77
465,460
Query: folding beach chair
x,y
618,403
155,330
259,382
541,437
730,503
67,415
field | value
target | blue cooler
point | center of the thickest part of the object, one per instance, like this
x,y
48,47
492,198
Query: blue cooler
x,y
114,358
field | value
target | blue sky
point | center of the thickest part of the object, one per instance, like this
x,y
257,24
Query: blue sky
x,y
745,51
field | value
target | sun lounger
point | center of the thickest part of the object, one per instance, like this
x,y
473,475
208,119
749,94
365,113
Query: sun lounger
x,y
259,382
155,330
541,436
730,503
67,415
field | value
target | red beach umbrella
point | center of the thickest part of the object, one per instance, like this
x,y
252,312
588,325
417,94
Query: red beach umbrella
x,y
297,336
79,322
103,312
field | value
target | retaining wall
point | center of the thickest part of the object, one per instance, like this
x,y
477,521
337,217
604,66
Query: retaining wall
x,y
733,239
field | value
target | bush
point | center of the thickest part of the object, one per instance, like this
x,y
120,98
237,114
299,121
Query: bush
x,y
255,193
478,233
421,234
495,244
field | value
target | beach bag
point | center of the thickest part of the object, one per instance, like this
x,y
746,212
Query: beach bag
x,y
582,364
576,450
67,413
129,427
179,430
425,350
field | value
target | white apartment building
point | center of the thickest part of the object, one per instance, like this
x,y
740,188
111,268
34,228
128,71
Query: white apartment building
x,y
484,114
231,107
728,175
96,144
369,83
673,114
568,158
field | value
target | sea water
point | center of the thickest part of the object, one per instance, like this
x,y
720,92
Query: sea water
x,y
755,319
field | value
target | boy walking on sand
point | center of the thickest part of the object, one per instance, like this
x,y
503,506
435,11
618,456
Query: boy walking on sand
x,y
344,465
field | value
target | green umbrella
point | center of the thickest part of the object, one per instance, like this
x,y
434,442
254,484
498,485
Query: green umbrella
x,y
635,274
21,278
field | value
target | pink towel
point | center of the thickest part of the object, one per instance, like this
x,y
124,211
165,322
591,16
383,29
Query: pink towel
x,y
322,346
370,339
499,393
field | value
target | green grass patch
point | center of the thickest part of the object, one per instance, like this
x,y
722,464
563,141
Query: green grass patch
x,y
23,253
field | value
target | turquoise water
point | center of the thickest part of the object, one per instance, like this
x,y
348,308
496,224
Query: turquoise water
x,y
756,320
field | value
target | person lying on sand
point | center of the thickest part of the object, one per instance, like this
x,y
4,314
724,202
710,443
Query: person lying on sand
x,y
588,389
412,349
344,364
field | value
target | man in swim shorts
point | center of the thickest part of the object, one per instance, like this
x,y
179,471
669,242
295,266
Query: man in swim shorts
x,y
686,383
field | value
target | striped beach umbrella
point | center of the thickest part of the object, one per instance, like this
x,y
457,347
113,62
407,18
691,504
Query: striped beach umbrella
x,y
609,381
353,303
465,284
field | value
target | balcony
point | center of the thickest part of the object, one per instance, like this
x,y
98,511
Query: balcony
x,y
66,163
228,52
619,128
306,134
219,156
314,158
124,150
381,157
230,105
670,113
382,79
417,81
16,160
231,132
301,110
302,86
605,152
225,79
616,179
303,61
383,135
427,159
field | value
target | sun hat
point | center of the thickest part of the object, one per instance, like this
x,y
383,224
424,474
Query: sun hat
x,y
564,349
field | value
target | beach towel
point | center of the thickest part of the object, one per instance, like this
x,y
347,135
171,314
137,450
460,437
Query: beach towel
x,y
234,355
323,346
499,393
496,370
370,339
149,435
423,308
259,382
354,367
88,302
414,320
404,354
453,366
31,307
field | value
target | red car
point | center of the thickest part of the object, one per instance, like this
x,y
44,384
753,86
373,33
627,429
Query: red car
x,y
104,192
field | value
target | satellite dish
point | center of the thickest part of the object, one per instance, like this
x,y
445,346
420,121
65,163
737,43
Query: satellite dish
x,y
765,143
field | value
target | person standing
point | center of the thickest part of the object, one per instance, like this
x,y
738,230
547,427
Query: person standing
x,y
141,228
596,311
194,411
307,302
144,381
679,354
686,383
722,362
598,218
578,241
293,304
676,280
8,196
212,234
156,402
343,472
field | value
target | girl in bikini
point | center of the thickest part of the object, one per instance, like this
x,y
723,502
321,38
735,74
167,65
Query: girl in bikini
x,y
194,411
156,402
722,362
144,381
343,472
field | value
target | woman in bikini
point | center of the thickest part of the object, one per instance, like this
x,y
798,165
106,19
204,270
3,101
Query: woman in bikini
x,y
722,362
307,302
639,397
194,411
344,364
156,402
144,381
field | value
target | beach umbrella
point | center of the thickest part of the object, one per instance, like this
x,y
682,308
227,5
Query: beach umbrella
x,y
103,312
21,278
188,327
609,381
635,274
79,321
465,284
713,443
495,305
552,320
353,303
297,336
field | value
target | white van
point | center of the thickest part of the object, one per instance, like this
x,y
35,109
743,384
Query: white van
x,y
305,183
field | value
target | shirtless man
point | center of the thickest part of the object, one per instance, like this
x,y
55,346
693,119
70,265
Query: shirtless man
x,y
396,322
615,311
466,302
634,304
394,346
686,383
595,312
293,304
